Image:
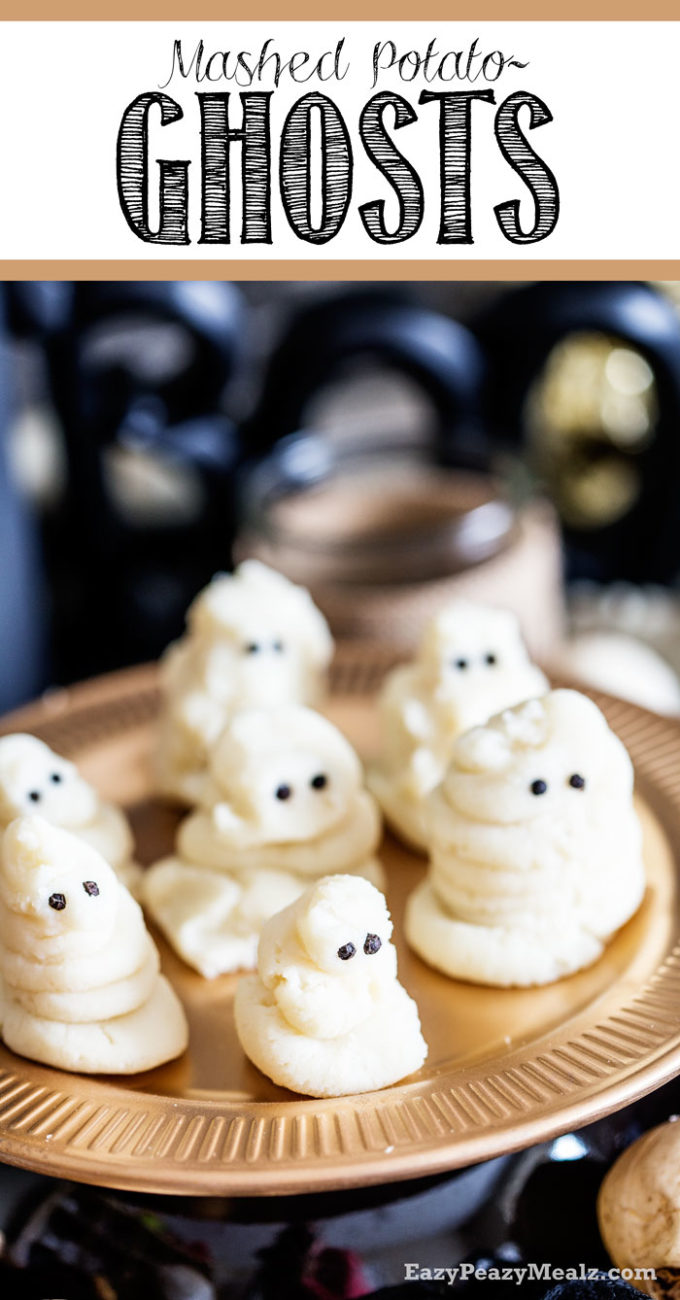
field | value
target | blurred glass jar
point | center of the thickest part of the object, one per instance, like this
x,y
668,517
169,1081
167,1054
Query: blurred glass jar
x,y
383,536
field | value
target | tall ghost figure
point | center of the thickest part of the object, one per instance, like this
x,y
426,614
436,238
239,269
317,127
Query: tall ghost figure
x,y
81,988
33,779
472,662
283,804
535,847
253,639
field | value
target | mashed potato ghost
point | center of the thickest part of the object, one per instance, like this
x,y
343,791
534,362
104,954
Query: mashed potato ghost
x,y
472,662
80,973
326,1015
283,804
535,847
253,639
33,779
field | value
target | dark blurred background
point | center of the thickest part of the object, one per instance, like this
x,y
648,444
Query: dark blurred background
x,y
150,430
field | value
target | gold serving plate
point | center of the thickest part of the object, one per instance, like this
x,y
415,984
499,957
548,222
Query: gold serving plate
x,y
506,1068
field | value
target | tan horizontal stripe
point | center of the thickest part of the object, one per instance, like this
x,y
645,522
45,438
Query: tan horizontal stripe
x,y
387,11
368,269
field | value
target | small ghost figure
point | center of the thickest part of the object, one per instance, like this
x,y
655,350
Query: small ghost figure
x,y
253,639
535,857
283,804
472,662
33,779
81,988
325,1015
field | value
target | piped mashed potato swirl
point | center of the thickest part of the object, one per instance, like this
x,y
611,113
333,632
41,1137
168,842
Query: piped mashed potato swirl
x,y
325,1015
535,856
253,640
472,662
283,804
81,986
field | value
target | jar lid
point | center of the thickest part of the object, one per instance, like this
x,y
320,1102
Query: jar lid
x,y
372,512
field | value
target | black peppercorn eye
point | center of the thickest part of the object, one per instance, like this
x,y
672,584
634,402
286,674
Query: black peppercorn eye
x,y
91,888
577,782
319,782
252,648
460,663
278,647
283,792
35,796
372,944
57,901
491,659
346,951
538,787
56,778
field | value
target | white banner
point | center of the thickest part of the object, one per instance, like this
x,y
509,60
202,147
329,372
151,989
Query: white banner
x,y
322,140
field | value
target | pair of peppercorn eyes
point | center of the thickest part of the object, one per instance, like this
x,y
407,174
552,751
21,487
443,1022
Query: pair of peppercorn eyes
x,y
372,944
58,901
490,659
254,647
318,782
35,795
576,782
